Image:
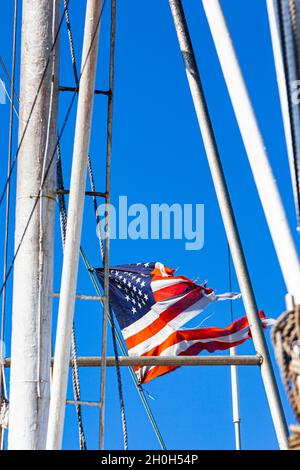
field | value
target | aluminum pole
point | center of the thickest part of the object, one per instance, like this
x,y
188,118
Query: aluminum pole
x,y
229,220
133,361
33,267
107,234
264,179
284,51
74,226
235,401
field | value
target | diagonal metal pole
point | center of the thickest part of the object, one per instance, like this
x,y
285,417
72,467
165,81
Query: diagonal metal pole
x,y
229,220
74,227
256,151
234,374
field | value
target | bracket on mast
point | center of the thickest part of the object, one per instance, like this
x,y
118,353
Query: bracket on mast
x,y
87,193
76,89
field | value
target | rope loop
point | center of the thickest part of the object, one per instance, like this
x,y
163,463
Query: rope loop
x,y
286,340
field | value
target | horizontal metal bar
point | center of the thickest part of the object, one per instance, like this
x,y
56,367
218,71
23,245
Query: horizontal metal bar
x,y
82,297
83,403
95,361
74,89
87,193
172,361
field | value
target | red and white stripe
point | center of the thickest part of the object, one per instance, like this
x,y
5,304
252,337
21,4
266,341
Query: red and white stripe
x,y
177,301
192,342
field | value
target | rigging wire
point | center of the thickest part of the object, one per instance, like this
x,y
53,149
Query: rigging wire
x,y
75,372
7,208
107,208
9,98
123,349
95,204
94,280
32,107
230,279
10,83
285,44
87,265
66,118
45,173
8,78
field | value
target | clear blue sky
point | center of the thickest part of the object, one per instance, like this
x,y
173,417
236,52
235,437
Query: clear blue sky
x,y
158,157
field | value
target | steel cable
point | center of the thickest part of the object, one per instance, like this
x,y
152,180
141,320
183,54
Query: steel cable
x,y
95,204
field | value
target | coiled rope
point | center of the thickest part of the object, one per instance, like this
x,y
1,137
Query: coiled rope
x,y
286,340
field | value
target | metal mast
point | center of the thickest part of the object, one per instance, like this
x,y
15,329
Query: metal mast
x,y
229,220
33,268
74,226
264,179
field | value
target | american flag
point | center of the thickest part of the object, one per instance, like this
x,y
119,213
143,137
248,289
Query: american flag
x,y
151,305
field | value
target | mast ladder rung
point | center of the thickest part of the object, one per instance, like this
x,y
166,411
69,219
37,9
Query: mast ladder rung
x,y
74,89
83,297
138,361
83,403
87,193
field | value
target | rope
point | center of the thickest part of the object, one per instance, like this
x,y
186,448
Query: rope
x,y
115,332
285,16
230,280
294,25
9,80
7,208
9,97
45,175
75,373
286,339
113,327
119,378
95,204
32,108
71,42
139,389
107,206
67,115
4,406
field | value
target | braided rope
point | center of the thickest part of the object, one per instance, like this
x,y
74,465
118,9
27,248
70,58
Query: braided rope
x,y
101,246
95,204
113,327
119,379
75,372
4,410
286,340
4,402
71,43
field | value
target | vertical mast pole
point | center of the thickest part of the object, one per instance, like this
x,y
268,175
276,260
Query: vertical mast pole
x,y
107,230
235,402
33,268
229,220
264,179
74,225
234,375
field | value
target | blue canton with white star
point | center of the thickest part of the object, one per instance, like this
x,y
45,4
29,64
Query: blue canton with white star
x,y
130,292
